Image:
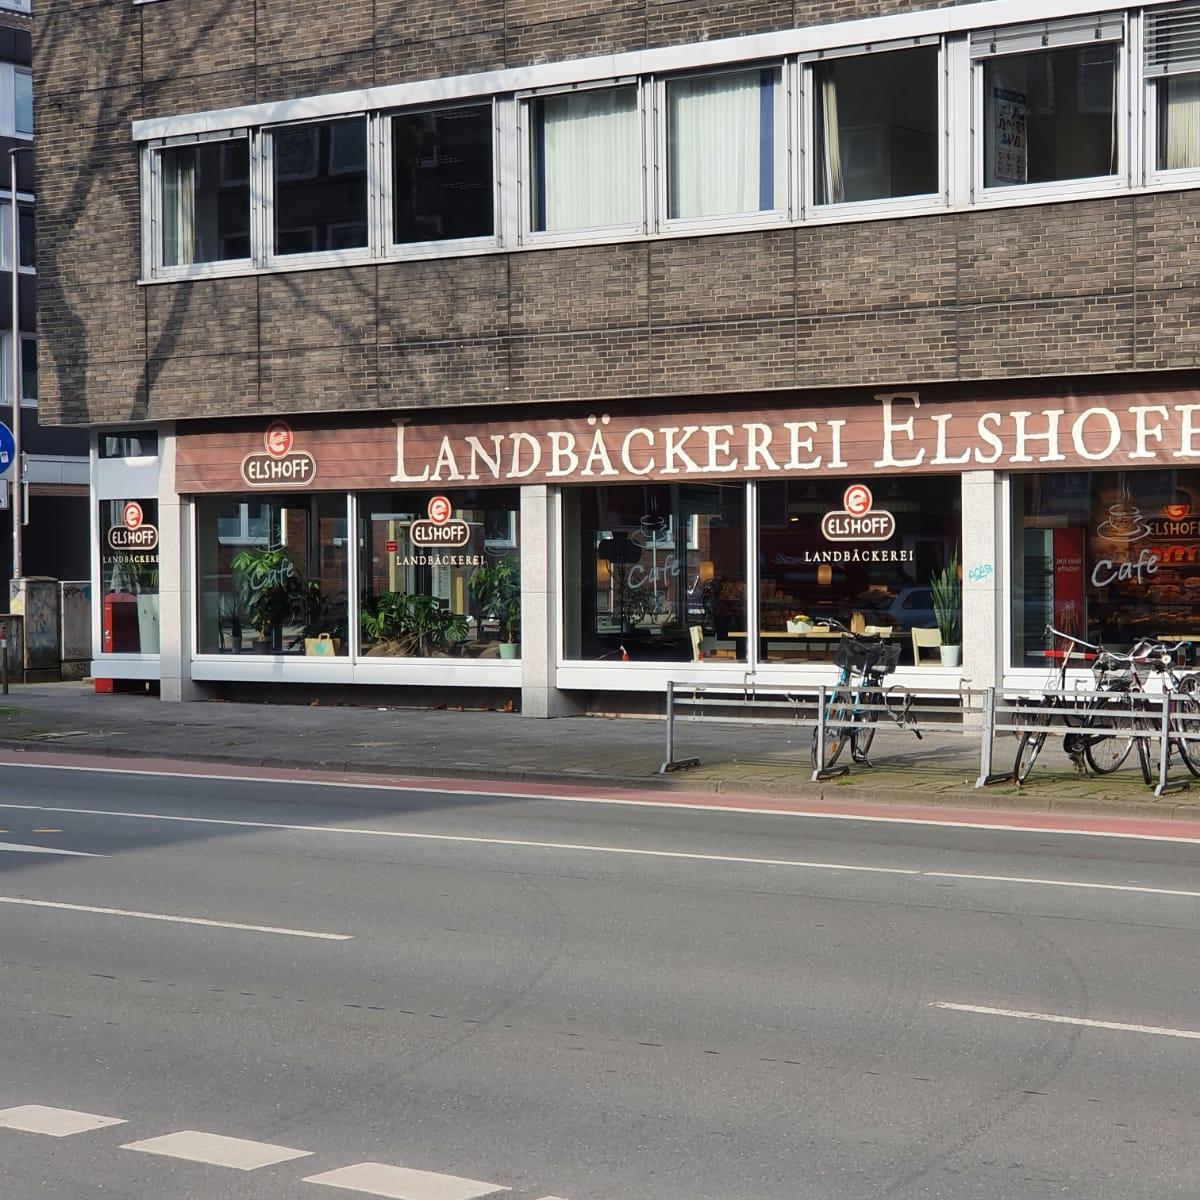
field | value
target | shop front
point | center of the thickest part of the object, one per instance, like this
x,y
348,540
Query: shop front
x,y
611,549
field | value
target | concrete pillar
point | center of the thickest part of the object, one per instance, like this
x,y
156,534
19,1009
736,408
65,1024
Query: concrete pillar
x,y
983,599
174,579
541,546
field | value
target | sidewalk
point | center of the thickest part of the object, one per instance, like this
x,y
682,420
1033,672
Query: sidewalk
x,y
617,752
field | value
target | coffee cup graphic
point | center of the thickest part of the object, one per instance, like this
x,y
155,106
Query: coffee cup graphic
x,y
1124,523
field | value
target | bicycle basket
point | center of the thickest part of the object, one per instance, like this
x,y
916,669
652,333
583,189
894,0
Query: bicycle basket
x,y
859,655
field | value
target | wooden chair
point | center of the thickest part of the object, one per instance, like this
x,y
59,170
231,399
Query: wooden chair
x,y
925,639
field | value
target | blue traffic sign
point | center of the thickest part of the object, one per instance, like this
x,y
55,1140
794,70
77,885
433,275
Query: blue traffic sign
x,y
7,449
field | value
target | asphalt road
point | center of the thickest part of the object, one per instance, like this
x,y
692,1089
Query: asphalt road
x,y
580,1001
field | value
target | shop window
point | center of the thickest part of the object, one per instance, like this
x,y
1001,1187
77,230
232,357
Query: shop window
x,y
129,576
205,202
585,151
876,131
443,175
272,575
722,143
1110,556
656,573
814,564
440,574
1172,67
1051,115
319,172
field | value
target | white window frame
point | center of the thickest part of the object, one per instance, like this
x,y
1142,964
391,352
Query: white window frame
x,y
784,195
152,186
596,233
6,234
6,366
21,6
1147,96
447,247
1065,35
8,101
922,202
267,255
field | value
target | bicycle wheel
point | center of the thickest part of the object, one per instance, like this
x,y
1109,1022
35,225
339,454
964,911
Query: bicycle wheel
x,y
839,719
1029,747
862,735
1186,721
1105,753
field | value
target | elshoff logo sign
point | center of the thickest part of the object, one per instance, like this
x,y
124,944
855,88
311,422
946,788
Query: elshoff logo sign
x,y
134,533
280,465
857,520
439,530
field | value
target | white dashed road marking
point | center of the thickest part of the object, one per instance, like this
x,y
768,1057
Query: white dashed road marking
x,y
54,1122
216,1150
19,848
400,1183
1057,1019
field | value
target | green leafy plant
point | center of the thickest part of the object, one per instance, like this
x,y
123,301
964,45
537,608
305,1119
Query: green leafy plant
x,y
417,625
496,588
270,590
946,589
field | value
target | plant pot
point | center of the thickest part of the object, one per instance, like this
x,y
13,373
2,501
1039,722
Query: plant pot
x,y
509,649
147,611
951,656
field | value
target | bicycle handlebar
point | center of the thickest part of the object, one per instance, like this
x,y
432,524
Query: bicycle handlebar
x,y
1051,632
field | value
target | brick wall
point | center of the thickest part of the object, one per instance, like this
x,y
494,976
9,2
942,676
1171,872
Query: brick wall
x,y
1103,285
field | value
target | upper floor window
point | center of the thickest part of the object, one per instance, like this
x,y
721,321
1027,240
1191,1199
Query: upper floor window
x,y
877,126
319,180
585,153
23,101
25,236
1172,70
443,174
205,202
722,144
28,369
1050,107
141,443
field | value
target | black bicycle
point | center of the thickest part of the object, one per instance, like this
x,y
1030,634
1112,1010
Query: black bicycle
x,y
853,709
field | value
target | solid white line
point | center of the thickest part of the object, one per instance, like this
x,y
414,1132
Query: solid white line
x,y
435,787
579,847
17,848
176,920
217,1151
53,1122
1056,1019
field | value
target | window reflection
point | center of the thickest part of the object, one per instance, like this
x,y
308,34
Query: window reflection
x,y
320,175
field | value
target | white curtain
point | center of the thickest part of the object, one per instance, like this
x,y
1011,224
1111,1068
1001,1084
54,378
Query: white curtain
x,y
1179,123
590,161
179,207
714,131
831,159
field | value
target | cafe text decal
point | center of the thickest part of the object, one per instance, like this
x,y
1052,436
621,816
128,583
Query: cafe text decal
x,y
134,533
857,521
278,465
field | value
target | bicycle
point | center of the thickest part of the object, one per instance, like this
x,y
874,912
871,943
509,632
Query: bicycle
x,y
852,712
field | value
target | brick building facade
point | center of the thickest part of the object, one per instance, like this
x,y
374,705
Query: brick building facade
x,y
1059,288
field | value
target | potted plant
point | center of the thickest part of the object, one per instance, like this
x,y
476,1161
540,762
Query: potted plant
x,y
407,626
946,589
496,588
233,618
270,590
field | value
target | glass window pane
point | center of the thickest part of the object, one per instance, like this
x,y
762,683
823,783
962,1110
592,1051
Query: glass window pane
x,y
586,153
272,575
721,141
805,579
320,186
443,176
460,600
129,445
876,126
1110,556
656,573
1178,122
206,202
23,101
1050,116
26,235
129,575
29,376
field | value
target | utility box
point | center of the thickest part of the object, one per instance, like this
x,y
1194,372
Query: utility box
x,y
35,598
12,631
75,609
